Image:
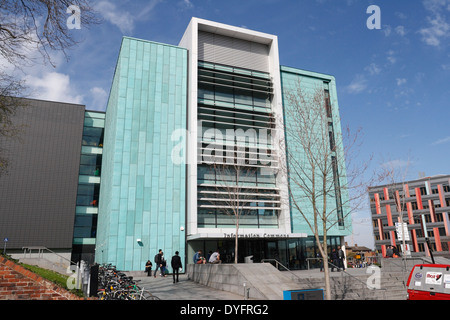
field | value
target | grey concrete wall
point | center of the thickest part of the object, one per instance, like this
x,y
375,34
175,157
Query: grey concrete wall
x,y
262,279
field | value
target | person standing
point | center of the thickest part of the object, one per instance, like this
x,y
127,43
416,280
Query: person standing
x,y
176,265
158,261
334,260
341,257
163,265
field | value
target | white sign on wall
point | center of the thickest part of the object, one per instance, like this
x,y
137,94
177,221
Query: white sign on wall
x,y
402,229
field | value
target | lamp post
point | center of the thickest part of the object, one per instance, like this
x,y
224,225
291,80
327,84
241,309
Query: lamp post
x,y
5,240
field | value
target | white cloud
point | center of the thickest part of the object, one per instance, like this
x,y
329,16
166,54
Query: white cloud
x,y
400,81
400,30
438,28
358,84
99,99
373,69
401,15
53,86
126,16
188,3
441,141
396,164
436,5
436,32
124,20
387,30
390,57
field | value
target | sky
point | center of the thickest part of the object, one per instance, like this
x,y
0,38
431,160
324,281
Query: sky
x,y
391,81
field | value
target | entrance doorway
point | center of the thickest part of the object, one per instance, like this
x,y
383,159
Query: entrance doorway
x,y
295,253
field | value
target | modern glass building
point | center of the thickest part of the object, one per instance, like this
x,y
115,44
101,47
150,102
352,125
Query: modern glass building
x,y
194,135
422,206
192,138
142,205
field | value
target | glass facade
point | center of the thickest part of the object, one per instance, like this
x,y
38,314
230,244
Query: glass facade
x,y
295,254
85,225
310,83
235,148
148,201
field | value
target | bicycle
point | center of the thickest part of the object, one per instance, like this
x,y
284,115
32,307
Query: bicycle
x,y
116,285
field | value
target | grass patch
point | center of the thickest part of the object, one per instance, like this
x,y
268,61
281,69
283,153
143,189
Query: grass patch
x,y
54,277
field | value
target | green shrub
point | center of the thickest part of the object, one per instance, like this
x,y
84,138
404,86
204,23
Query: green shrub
x,y
54,277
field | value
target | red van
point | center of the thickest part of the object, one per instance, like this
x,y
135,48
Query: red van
x,y
429,282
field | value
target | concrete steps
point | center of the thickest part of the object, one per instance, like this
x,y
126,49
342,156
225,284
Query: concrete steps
x,y
259,281
263,281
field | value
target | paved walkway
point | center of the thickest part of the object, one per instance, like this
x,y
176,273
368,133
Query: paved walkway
x,y
315,273
186,289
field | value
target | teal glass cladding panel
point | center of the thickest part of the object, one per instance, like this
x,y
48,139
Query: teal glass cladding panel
x,y
143,190
291,80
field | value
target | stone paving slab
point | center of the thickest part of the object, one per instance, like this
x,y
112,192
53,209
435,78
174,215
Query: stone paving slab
x,y
185,289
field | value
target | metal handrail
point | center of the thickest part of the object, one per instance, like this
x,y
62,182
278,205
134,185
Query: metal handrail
x,y
45,248
279,263
40,249
329,263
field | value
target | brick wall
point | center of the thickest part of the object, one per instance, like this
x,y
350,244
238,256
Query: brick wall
x,y
18,283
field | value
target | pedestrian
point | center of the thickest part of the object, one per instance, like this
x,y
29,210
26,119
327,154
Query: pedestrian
x,y
148,268
163,265
389,252
199,258
395,252
215,257
334,260
341,257
320,261
157,261
176,265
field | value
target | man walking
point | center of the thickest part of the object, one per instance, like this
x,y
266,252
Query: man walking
x,y
341,257
176,265
334,260
158,262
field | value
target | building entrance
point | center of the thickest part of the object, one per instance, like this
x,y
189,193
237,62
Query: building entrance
x,y
295,254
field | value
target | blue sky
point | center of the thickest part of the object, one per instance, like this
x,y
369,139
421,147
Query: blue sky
x,y
391,82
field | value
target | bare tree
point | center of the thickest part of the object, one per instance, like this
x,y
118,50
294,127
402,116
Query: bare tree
x,y
232,197
9,90
325,183
28,27
235,191
40,25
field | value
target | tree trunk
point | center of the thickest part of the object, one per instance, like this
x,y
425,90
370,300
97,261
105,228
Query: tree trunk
x,y
236,243
323,248
326,271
